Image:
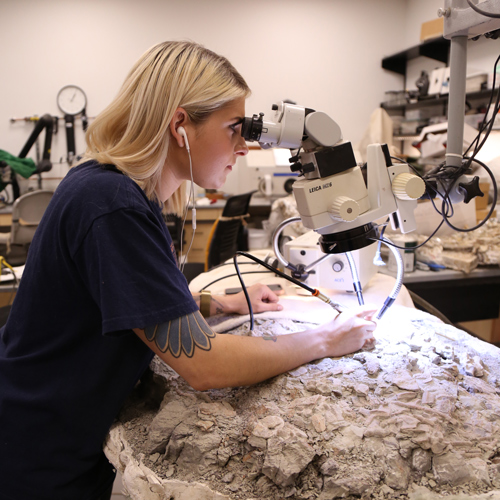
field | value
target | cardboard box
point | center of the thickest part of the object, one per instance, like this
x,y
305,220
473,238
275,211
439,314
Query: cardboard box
x,y
481,214
482,201
432,29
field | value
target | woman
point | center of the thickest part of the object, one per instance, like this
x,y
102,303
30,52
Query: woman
x,y
102,293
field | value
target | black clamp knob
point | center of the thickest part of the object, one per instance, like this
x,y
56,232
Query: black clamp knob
x,y
308,167
470,190
296,167
299,272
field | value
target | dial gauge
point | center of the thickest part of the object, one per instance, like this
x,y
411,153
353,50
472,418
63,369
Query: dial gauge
x,y
71,100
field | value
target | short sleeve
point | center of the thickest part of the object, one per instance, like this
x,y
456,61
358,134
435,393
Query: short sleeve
x,y
127,263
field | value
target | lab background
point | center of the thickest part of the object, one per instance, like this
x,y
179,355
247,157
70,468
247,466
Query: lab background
x,y
323,54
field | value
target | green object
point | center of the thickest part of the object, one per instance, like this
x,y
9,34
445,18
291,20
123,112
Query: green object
x,y
25,167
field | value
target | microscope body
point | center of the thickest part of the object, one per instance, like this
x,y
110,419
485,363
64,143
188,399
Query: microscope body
x,y
333,197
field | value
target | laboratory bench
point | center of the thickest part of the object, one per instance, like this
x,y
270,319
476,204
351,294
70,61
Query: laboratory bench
x,y
462,298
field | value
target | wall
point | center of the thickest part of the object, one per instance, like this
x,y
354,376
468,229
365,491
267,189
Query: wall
x,y
481,54
322,53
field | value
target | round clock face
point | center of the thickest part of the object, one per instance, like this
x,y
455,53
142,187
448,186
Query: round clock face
x,y
71,100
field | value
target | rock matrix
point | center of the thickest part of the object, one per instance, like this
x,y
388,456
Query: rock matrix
x,y
416,417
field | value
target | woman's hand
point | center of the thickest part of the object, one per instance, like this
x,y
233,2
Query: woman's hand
x,y
262,299
349,331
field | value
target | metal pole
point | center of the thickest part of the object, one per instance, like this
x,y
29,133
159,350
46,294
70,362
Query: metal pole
x,y
456,101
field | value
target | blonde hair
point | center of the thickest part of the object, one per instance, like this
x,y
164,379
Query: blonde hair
x,y
132,133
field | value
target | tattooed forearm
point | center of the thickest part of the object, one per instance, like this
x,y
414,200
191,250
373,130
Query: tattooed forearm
x,y
268,336
219,308
182,335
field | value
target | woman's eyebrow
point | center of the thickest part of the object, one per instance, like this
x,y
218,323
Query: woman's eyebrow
x,y
238,120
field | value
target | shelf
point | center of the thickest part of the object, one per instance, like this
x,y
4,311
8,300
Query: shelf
x,y
436,48
406,137
434,101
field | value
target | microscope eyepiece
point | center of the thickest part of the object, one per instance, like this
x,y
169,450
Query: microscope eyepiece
x,y
251,129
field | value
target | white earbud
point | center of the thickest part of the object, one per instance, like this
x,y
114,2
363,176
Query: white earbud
x,y
183,133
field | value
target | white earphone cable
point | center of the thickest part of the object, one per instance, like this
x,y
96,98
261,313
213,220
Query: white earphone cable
x,y
193,212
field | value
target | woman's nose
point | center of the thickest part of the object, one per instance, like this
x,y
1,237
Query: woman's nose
x,y
241,148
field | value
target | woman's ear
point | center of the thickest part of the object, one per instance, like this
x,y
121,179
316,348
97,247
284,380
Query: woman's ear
x,y
180,119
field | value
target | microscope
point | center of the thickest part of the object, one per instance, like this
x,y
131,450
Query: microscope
x,y
333,197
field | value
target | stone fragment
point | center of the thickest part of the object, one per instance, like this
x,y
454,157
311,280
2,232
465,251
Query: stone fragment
x,y
223,409
478,366
227,478
319,423
301,370
170,471
406,448
407,422
359,482
436,360
223,456
199,452
204,424
347,438
451,469
177,440
268,427
257,442
405,381
333,420
428,397
460,261
332,489
406,396
329,468
386,490
288,454
372,367
265,487
322,386
479,468
374,430
421,460
473,385
362,389
360,356
397,474
162,426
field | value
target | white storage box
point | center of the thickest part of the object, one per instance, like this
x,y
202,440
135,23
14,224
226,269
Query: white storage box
x,y
257,239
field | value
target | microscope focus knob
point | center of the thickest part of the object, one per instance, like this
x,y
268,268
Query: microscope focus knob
x,y
408,186
344,209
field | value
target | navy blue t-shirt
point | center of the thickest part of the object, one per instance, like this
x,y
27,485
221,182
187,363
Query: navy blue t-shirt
x,y
101,263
